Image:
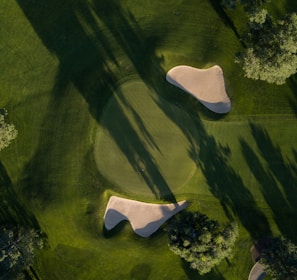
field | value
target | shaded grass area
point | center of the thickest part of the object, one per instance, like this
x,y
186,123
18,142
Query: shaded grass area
x,y
277,180
139,148
262,165
227,185
12,211
62,61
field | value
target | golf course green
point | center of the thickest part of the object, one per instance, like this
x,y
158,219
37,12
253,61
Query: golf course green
x,y
84,84
139,148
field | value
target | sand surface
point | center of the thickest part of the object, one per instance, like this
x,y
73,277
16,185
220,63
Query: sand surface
x,y
257,272
145,218
207,85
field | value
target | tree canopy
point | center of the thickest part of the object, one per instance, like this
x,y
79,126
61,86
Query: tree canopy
x,y
270,44
271,54
18,246
279,257
8,131
201,241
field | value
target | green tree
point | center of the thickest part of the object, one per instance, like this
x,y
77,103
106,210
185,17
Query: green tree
x,y
18,246
200,241
8,131
279,257
271,54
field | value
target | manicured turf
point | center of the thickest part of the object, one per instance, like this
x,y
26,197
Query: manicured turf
x,y
63,65
139,148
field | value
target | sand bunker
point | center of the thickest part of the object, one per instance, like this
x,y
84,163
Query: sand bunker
x,y
207,85
145,218
257,272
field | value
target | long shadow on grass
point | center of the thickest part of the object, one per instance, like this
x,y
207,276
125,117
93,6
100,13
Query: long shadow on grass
x,y
290,6
213,159
61,26
141,51
138,155
11,209
138,45
277,179
141,271
226,184
87,62
70,31
218,7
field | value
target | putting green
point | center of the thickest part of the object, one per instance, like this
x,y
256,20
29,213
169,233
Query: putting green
x,y
142,147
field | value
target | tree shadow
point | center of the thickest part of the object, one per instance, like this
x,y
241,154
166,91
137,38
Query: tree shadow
x,y
227,185
85,59
41,175
280,168
140,271
277,180
87,62
82,63
294,167
217,6
139,46
94,185
270,189
212,158
137,153
12,211
290,6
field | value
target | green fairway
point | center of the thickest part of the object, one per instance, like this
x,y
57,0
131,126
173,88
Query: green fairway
x,y
84,84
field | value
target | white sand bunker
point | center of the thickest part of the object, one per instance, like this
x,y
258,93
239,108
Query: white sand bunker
x,y
207,85
145,218
257,272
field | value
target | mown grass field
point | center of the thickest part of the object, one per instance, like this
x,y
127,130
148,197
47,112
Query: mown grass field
x,y
84,83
